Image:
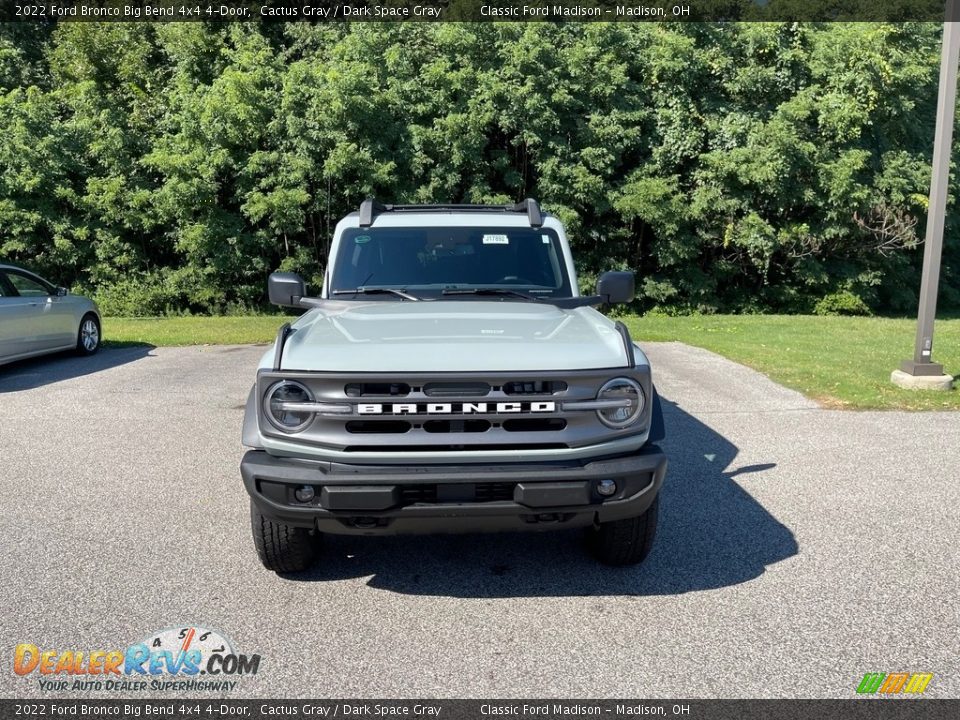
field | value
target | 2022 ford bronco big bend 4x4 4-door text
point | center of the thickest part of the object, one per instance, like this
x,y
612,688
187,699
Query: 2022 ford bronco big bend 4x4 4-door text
x,y
450,378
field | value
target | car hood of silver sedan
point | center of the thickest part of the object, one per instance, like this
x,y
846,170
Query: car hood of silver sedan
x,y
450,336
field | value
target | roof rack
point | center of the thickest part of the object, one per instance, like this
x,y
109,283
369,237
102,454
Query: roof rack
x,y
370,208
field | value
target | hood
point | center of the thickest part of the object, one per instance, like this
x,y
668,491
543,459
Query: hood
x,y
445,336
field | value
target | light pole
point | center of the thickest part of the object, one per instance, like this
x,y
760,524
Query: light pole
x,y
921,371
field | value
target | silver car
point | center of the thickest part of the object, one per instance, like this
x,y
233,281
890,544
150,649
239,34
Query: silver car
x,y
37,317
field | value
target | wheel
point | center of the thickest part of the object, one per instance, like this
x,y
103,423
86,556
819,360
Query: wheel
x,y
281,547
625,542
88,336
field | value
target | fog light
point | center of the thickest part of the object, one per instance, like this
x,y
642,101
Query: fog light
x,y
606,487
304,494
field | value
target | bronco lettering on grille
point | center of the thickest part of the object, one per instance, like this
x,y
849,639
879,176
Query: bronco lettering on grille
x,y
466,408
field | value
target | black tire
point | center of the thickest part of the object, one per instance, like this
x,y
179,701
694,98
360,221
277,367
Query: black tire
x,y
282,548
88,336
625,542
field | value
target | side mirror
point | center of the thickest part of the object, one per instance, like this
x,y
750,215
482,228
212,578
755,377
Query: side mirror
x,y
616,287
62,292
286,289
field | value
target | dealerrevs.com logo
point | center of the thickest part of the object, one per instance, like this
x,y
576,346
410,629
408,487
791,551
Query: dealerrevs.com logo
x,y
185,658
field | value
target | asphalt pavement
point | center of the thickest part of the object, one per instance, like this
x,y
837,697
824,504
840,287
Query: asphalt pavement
x,y
798,549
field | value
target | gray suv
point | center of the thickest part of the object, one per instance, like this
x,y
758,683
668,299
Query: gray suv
x,y
449,377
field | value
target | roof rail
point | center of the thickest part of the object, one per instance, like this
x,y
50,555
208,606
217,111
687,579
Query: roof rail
x,y
532,209
370,208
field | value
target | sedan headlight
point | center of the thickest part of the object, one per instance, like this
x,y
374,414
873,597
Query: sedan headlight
x,y
625,401
281,406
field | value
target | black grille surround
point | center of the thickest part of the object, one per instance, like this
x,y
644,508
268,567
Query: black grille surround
x,y
459,422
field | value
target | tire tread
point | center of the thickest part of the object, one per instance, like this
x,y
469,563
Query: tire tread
x,y
627,541
281,547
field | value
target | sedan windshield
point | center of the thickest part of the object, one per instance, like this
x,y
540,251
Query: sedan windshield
x,y
428,261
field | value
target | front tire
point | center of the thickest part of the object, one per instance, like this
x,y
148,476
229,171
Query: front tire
x,y
88,336
625,542
282,548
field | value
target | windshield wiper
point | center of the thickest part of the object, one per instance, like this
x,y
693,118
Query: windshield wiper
x,y
376,291
493,291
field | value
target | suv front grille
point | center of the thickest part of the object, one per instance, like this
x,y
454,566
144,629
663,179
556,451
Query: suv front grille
x,y
450,391
443,413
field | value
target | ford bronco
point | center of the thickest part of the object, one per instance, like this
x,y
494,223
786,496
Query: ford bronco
x,y
451,378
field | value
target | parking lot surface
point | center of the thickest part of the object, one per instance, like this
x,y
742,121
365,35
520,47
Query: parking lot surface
x,y
799,548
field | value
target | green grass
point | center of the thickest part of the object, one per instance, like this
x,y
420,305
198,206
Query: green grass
x,y
192,330
840,362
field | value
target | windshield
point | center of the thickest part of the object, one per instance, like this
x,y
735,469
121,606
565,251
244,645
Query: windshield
x,y
427,261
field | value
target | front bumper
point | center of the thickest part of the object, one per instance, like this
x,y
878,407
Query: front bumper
x,y
375,500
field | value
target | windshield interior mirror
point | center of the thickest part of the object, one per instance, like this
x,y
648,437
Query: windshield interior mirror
x,y
286,289
616,286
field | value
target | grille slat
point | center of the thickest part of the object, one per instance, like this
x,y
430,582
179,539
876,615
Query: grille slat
x,y
376,390
534,387
454,447
457,389
535,425
456,426
483,492
377,426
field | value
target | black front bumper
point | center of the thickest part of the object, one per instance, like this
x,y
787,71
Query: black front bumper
x,y
392,499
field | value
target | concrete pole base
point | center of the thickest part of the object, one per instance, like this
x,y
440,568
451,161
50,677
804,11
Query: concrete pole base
x,y
921,382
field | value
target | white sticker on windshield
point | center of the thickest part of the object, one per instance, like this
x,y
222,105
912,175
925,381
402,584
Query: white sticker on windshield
x,y
546,239
496,240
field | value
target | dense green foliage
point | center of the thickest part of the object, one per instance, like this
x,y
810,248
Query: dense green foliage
x,y
737,167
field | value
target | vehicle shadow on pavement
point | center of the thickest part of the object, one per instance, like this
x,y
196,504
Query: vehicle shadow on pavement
x,y
48,369
712,534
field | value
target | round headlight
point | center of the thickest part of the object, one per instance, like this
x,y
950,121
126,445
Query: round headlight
x,y
630,399
278,408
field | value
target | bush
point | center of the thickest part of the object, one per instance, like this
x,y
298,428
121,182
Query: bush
x,y
785,160
144,296
842,302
